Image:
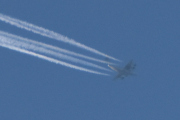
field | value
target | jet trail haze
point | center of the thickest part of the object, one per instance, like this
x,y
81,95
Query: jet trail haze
x,y
8,43
48,33
57,49
39,47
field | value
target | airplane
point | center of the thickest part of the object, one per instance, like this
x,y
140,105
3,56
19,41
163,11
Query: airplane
x,y
126,71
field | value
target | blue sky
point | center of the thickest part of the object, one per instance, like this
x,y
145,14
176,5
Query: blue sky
x,y
145,31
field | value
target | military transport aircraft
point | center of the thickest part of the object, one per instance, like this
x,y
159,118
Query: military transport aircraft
x,y
126,71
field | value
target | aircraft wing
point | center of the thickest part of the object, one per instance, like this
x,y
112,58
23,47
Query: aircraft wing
x,y
129,66
115,78
118,76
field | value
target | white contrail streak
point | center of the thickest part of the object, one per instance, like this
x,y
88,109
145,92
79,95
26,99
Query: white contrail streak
x,y
57,49
8,45
38,47
48,33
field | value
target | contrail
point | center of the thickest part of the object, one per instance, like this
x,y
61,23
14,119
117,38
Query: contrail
x,y
57,49
8,45
48,33
31,45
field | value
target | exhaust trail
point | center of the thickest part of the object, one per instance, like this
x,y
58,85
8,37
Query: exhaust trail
x,y
50,34
9,45
30,45
57,49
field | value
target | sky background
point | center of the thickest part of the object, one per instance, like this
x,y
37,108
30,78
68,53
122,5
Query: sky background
x,y
146,31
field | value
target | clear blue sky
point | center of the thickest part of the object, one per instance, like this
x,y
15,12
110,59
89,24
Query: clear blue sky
x,y
146,31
